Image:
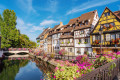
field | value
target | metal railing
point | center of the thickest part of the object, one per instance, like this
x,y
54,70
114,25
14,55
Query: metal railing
x,y
104,72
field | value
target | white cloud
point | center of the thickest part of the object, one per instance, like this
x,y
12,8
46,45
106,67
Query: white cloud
x,y
90,4
48,22
26,5
35,28
29,24
28,28
50,5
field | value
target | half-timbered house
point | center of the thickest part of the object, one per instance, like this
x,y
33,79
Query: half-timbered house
x,y
105,37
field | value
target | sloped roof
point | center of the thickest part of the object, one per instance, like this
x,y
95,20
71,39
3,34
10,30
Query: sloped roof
x,y
72,21
84,17
117,13
67,29
44,32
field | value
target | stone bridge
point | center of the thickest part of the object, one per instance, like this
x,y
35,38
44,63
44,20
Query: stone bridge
x,y
16,52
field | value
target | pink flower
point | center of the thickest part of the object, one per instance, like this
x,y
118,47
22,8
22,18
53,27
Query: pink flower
x,y
61,69
56,68
74,77
77,71
72,59
93,60
54,76
61,65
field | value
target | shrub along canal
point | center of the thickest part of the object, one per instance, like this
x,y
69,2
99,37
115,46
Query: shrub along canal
x,y
24,69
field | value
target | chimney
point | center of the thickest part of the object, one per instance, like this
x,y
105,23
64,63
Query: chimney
x,y
61,23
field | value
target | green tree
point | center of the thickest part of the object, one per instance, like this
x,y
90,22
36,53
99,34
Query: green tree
x,y
25,42
9,33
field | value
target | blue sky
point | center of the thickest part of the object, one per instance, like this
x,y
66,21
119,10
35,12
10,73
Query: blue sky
x,y
34,15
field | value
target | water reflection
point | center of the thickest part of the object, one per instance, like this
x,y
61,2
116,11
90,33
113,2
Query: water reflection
x,y
25,70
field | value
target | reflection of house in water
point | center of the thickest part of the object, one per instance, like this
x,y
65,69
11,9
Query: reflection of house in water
x,y
44,66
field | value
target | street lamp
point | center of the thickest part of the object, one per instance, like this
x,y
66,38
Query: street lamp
x,y
100,32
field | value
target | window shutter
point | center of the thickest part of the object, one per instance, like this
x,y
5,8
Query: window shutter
x,y
107,37
93,38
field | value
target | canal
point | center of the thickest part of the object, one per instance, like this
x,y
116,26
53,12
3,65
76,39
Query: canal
x,y
25,69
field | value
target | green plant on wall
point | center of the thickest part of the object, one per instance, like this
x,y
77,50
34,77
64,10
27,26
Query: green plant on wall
x,y
62,42
79,42
68,42
85,42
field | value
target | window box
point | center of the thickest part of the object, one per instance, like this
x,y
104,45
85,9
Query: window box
x,y
68,42
62,42
79,42
96,41
85,42
111,26
78,52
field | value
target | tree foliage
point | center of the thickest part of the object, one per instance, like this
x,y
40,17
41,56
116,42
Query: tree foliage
x,y
11,36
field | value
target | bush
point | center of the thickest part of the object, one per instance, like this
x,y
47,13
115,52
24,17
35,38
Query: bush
x,y
52,55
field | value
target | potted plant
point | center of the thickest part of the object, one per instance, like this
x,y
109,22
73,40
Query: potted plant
x,y
62,42
85,42
117,41
97,41
111,26
68,42
112,41
104,27
78,52
79,42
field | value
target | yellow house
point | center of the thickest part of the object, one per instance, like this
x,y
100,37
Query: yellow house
x,y
105,37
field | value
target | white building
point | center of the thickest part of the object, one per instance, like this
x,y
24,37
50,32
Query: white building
x,y
86,23
56,32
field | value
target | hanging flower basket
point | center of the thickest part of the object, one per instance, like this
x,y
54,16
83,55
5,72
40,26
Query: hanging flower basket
x,y
97,41
79,42
78,52
111,26
117,41
113,41
104,27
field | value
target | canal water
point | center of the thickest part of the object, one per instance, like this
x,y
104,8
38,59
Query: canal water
x,y
24,70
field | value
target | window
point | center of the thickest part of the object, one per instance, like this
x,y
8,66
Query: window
x,y
79,40
113,36
73,25
97,37
106,25
86,40
107,37
78,50
71,40
82,32
86,22
80,23
118,35
113,24
70,49
107,14
93,38
82,40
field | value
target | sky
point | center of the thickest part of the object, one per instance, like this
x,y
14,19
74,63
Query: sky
x,y
35,15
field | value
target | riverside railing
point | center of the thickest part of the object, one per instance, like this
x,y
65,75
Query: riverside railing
x,y
17,49
104,72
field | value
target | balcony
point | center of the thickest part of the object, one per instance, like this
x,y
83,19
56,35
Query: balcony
x,y
106,44
67,44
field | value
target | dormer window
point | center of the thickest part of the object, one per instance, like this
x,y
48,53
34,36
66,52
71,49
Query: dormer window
x,y
86,22
73,25
80,23
107,14
106,25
